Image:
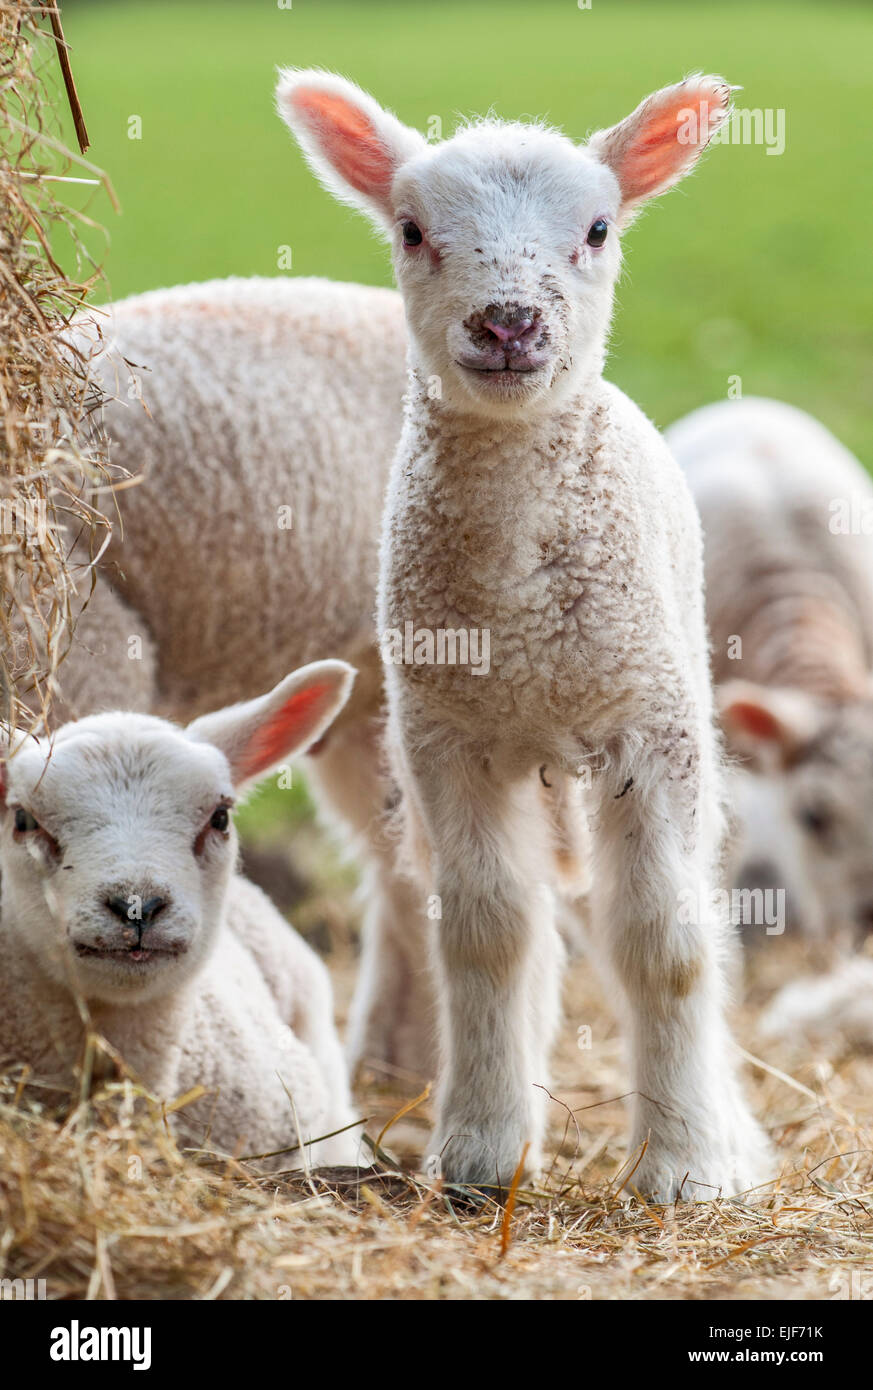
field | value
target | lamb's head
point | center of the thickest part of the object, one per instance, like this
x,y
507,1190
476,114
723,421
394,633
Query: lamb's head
x,y
117,839
804,803
505,236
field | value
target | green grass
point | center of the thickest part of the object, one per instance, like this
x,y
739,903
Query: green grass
x,y
759,266
270,810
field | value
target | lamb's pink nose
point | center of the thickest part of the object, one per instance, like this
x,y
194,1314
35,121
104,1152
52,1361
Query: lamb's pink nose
x,y
515,332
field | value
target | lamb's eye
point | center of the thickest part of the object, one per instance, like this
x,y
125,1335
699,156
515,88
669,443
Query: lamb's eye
x,y
220,819
412,234
24,821
597,232
816,820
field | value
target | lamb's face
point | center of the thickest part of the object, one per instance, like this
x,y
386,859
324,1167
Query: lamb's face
x,y
504,236
116,851
807,826
506,251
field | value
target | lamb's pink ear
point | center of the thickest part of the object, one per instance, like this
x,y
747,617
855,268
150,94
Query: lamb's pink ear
x,y
656,145
766,725
259,734
354,146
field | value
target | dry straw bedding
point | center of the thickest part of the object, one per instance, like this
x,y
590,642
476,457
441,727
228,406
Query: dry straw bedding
x,y
103,1205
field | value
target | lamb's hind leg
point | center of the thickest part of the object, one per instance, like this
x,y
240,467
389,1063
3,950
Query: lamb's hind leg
x,y
393,1014
498,959
656,845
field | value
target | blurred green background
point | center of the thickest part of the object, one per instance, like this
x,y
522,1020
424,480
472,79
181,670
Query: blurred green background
x,y
757,267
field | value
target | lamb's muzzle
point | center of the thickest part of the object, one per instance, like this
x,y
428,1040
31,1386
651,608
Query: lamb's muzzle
x,y
123,906
504,338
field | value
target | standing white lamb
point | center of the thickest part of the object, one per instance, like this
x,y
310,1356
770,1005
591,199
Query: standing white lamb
x,y
532,503
787,515
120,902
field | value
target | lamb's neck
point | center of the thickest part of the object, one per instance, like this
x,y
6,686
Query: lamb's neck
x,y
147,1035
806,638
463,448
39,1022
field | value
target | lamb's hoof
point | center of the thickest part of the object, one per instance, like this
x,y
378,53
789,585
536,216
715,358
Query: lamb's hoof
x,y
469,1201
664,1178
469,1161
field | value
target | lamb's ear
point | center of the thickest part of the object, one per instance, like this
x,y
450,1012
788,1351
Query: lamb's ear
x,y
354,146
10,740
259,734
766,725
656,145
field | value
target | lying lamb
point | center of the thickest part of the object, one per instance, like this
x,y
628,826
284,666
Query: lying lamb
x,y
119,899
788,518
532,501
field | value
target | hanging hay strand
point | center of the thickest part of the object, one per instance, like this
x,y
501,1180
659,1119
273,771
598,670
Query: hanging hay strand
x,y
69,80
48,463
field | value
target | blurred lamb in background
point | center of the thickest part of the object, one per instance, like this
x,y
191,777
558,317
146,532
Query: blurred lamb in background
x,y
836,1005
787,514
259,418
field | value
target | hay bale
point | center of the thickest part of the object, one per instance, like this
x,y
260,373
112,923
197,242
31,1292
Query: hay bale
x,y
48,465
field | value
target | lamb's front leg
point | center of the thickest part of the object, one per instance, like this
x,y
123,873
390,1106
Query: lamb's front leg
x,y
498,958
653,901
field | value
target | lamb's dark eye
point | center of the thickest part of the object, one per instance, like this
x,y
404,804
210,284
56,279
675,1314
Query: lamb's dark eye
x,y
816,820
220,818
412,234
597,232
24,821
